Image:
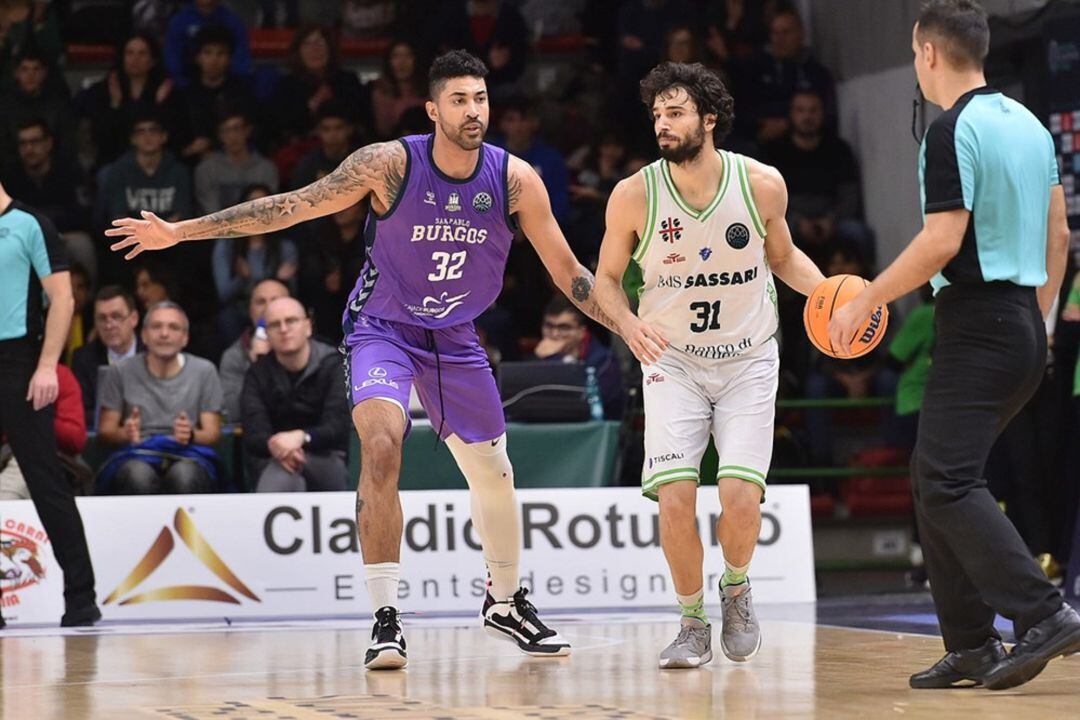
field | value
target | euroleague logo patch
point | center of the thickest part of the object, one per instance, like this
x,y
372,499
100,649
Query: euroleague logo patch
x,y
737,236
482,202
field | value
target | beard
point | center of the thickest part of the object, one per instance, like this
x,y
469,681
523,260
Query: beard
x,y
685,150
457,135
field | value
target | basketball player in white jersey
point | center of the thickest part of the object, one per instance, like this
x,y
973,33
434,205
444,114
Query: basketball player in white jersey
x,y
707,229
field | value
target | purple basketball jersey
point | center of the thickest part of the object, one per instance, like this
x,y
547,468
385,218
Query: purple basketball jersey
x,y
438,255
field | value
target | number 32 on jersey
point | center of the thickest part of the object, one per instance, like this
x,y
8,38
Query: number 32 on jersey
x,y
447,266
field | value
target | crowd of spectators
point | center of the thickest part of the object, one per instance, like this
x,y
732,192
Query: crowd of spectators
x,y
189,118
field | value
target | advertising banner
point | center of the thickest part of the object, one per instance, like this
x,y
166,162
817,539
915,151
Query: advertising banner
x,y
297,554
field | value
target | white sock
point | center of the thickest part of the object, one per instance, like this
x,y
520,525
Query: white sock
x,y
382,584
495,513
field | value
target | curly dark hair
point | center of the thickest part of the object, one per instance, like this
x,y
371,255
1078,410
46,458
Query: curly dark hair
x,y
456,63
702,85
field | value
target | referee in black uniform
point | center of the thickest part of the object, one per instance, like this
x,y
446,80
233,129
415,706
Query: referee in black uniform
x,y
994,246
32,259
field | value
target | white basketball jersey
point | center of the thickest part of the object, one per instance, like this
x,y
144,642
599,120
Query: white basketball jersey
x,y
707,286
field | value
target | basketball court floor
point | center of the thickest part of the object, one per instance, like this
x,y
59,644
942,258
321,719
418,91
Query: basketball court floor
x,y
838,659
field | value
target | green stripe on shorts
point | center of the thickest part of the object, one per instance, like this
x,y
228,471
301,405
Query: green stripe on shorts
x,y
653,483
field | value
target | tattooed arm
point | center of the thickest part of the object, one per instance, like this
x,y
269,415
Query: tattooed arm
x,y
529,200
377,170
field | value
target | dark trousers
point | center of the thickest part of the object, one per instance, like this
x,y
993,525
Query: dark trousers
x,y
33,441
988,360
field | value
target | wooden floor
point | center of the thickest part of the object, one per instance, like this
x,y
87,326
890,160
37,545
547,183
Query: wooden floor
x,y
314,670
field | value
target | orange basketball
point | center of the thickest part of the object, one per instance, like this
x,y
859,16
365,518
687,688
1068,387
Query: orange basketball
x,y
831,294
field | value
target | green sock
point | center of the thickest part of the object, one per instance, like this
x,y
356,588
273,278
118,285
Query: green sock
x,y
734,575
693,605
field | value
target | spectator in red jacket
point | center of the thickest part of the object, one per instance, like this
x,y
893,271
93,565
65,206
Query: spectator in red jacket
x,y
70,426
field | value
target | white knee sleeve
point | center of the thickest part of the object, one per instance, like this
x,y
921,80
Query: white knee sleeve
x,y
495,514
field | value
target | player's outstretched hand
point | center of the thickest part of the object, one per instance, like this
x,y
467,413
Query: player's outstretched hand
x,y
150,233
646,343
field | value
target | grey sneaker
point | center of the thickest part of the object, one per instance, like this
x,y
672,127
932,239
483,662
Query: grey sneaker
x,y
740,637
691,648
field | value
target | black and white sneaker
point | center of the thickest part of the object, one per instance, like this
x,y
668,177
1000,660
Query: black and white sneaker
x,y
515,620
387,651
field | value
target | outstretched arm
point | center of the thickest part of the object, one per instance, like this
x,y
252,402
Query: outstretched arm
x,y
786,261
529,199
627,203
377,169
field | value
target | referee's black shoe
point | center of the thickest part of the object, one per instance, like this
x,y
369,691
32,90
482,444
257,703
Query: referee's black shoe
x,y
963,668
1056,636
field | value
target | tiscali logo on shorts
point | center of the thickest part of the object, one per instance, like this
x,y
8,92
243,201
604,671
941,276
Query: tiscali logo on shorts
x,y
665,457
162,547
737,236
482,202
654,378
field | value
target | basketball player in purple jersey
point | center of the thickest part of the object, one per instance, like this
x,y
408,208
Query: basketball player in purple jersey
x,y
444,208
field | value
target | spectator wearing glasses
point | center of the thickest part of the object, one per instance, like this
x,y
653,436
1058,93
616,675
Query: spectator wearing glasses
x,y
566,338
250,346
163,408
115,320
294,412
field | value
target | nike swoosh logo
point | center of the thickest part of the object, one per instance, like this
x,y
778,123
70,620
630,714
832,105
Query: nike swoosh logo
x,y
495,442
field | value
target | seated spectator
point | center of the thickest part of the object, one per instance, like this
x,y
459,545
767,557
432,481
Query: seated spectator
x,y
223,175
401,86
824,199
642,26
736,29
115,320
148,177
70,427
135,85
331,264
774,76
492,30
249,347
566,338
295,417
153,284
32,97
180,45
336,132
52,184
518,125
80,320
240,263
26,24
603,168
315,76
368,18
211,94
163,407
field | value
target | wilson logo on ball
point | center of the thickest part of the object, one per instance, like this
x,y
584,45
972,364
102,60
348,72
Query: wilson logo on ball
x,y
872,328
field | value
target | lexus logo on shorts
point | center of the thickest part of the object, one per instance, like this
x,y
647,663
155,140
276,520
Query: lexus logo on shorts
x,y
377,372
737,236
482,202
